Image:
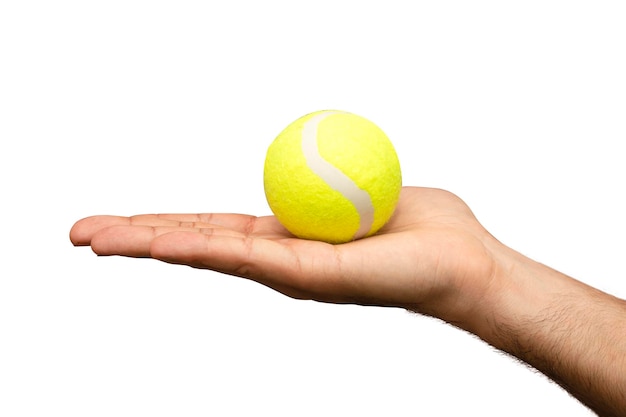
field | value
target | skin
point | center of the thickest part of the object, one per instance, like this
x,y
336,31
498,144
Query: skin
x,y
433,257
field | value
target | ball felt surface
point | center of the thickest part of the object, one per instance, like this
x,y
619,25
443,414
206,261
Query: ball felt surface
x,y
332,176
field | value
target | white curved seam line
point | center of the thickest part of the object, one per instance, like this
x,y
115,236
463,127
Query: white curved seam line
x,y
334,177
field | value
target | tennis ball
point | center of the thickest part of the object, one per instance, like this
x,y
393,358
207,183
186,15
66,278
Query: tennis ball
x,y
332,176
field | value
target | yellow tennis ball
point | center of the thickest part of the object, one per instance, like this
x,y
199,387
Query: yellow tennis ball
x,y
332,176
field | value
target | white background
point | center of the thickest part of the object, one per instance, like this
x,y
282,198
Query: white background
x,y
127,107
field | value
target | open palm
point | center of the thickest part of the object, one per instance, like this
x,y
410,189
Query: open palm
x,y
432,250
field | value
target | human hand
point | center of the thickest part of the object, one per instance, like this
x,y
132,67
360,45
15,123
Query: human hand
x,y
432,257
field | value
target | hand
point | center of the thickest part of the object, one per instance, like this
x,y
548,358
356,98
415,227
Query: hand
x,y
432,257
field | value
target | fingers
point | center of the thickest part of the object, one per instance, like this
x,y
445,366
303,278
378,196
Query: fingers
x,y
124,240
84,230
136,241
258,248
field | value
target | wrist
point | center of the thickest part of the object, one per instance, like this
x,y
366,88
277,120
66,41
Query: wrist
x,y
521,290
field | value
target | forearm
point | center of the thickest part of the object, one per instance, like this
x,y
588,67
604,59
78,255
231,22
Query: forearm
x,y
573,333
